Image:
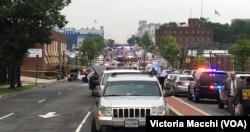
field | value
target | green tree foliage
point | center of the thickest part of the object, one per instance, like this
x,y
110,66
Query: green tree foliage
x,y
24,23
240,52
222,32
145,41
110,42
133,40
169,49
240,29
201,62
90,48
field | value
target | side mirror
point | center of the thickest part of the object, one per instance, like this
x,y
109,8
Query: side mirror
x,y
168,93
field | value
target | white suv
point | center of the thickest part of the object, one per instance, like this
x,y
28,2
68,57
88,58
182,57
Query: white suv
x,y
103,77
126,100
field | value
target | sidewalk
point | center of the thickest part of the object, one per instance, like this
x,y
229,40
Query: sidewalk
x,y
181,108
31,80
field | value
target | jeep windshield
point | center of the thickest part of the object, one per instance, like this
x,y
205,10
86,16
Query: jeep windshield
x,y
132,88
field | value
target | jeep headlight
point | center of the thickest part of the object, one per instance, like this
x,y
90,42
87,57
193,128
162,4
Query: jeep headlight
x,y
161,110
104,111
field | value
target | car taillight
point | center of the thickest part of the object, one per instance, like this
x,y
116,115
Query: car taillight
x,y
212,87
178,83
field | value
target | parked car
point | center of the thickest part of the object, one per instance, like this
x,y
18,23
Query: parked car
x,y
169,80
83,75
206,84
180,83
73,74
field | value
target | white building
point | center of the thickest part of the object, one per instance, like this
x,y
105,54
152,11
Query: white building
x,y
149,28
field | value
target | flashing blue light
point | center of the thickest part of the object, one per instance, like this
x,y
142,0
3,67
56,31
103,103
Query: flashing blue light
x,y
219,87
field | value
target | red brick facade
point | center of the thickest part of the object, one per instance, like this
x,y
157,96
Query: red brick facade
x,y
52,58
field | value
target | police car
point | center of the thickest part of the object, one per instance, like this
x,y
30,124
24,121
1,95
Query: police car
x,y
206,84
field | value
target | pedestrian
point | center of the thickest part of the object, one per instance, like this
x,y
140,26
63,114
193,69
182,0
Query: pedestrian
x,y
230,89
241,99
161,76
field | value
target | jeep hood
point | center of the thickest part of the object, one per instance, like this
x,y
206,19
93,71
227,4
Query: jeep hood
x,y
132,101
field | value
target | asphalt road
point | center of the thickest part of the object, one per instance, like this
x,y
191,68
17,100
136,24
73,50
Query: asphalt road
x,y
58,107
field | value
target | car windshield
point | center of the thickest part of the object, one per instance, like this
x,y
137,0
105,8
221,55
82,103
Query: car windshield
x,y
132,88
213,77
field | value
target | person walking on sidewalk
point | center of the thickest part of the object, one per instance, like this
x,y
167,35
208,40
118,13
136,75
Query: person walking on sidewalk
x,y
230,89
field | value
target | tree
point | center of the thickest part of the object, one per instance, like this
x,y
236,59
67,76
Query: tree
x,y
133,40
145,41
89,48
240,50
23,24
110,42
169,49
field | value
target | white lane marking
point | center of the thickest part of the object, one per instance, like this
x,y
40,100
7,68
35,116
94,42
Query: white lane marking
x,y
59,93
203,112
83,121
40,101
7,116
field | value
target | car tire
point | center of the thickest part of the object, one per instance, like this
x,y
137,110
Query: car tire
x,y
196,98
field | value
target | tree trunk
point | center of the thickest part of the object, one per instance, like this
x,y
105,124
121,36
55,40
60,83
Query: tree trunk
x,y
12,77
18,77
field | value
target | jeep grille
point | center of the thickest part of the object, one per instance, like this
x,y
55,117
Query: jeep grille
x,y
131,112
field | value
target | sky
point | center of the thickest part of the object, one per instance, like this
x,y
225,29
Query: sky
x,y
120,18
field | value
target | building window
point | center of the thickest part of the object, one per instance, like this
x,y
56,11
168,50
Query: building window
x,y
180,32
198,32
208,32
192,31
174,31
192,38
187,32
186,38
180,38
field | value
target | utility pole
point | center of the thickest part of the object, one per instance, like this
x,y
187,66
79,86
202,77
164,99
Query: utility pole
x,y
36,67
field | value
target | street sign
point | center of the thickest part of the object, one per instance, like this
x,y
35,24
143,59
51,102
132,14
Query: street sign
x,y
34,53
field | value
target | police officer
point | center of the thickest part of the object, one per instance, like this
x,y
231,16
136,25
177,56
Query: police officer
x,y
241,100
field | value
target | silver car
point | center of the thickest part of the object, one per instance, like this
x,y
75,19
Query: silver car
x,y
126,100
181,82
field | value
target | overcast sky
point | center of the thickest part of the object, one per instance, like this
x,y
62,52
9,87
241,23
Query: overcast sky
x,y
120,18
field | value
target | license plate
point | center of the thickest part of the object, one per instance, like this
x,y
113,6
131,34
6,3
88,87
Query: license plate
x,y
131,123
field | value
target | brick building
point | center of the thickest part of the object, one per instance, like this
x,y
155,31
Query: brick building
x,y
45,58
186,34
